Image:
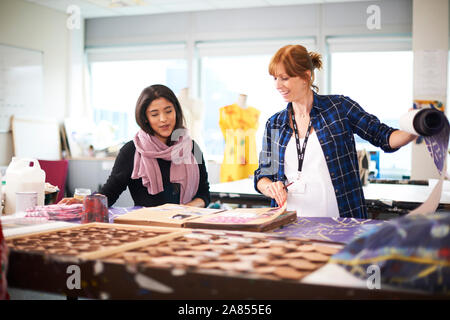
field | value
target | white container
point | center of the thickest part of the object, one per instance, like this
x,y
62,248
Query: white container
x,y
25,200
21,177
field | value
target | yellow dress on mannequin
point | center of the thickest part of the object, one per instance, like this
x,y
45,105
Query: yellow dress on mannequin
x,y
238,125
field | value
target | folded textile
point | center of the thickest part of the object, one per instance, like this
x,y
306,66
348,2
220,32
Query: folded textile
x,y
56,211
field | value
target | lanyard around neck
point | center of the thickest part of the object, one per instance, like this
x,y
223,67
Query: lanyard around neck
x,y
300,151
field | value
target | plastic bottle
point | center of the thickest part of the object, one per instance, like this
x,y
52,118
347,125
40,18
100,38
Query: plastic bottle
x,y
20,177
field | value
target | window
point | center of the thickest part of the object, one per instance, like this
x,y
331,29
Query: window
x,y
228,70
382,83
223,79
119,76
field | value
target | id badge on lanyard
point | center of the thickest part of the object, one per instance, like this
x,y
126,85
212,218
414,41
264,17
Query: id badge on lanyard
x,y
300,186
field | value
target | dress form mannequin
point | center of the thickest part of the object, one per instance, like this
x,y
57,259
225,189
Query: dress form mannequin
x,y
238,123
193,114
242,100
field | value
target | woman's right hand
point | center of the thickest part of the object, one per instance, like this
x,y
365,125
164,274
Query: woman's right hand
x,y
69,201
277,191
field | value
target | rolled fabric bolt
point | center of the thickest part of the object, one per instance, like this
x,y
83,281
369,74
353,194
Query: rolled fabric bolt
x,y
433,125
423,122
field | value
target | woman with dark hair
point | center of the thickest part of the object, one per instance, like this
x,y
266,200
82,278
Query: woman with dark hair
x,y
161,164
309,156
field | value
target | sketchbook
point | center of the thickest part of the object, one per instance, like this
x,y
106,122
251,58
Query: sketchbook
x,y
181,216
166,215
245,219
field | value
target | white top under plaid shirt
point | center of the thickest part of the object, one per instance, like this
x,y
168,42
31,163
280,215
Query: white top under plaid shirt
x,y
335,118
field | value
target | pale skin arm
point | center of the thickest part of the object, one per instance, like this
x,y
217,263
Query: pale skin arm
x,y
69,201
274,190
196,202
400,138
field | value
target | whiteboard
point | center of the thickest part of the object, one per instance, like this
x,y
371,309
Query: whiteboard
x,y
36,138
21,84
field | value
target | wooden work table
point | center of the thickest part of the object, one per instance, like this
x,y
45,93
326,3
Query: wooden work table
x,y
105,279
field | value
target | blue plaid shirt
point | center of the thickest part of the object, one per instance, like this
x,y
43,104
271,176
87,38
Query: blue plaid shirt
x,y
335,118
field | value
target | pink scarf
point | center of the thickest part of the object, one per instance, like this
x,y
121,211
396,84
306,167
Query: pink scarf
x,y
183,169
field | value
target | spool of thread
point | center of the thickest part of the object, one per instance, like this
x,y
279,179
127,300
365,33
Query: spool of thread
x,y
423,122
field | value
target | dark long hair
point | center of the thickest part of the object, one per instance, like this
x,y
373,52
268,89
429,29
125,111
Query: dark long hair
x,y
148,95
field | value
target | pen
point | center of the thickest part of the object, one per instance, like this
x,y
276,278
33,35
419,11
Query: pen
x,y
286,186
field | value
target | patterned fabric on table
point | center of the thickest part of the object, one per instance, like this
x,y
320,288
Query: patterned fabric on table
x,y
240,158
115,212
412,252
3,266
341,230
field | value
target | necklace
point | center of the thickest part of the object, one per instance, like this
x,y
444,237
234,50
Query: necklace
x,y
302,115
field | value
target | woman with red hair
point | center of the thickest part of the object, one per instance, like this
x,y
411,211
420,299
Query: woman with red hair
x,y
309,146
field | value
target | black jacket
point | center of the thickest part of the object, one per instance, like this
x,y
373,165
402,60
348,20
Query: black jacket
x,y
120,179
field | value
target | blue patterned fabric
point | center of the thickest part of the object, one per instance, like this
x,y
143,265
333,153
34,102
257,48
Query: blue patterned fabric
x,y
342,230
411,252
335,118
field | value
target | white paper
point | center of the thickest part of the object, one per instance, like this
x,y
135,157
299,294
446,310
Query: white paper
x,y
406,122
430,76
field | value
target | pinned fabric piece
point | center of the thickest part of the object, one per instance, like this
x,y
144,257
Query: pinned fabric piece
x,y
61,212
411,252
428,120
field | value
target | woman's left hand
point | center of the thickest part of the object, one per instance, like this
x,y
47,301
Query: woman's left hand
x,y
197,202
69,201
276,190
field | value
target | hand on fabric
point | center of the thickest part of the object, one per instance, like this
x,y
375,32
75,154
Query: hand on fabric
x,y
276,190
69,201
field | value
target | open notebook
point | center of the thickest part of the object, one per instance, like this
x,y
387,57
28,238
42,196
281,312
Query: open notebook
x,y
246,219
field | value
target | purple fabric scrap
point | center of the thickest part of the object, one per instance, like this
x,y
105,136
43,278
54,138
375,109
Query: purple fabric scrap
x,y
437,147
114,212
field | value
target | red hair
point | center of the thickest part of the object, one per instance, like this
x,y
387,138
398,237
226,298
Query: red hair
x,y
296,60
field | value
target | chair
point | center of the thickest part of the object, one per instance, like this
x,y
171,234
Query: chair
x,y
56,174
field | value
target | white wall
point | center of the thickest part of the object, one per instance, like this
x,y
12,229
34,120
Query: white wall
x,y
314,20
26,25
77,102
430,36
262,23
